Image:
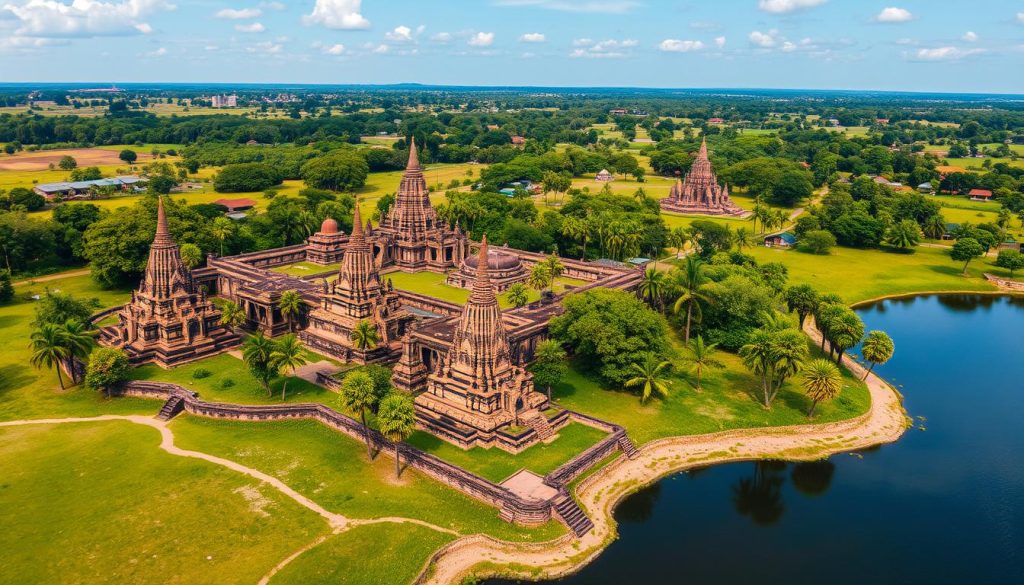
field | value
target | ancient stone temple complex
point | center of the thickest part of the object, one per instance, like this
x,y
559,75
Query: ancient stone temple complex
x,y
699,192
169,320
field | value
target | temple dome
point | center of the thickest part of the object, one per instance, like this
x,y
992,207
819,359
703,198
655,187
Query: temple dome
x,y
329,226
495,261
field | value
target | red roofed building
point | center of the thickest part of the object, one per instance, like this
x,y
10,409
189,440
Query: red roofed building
x,y
518,140
716,121
234,205
980,194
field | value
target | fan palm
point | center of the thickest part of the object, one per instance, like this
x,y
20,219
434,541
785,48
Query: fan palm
x,y
222,229
191,255
702,358
287,356
577,229
689,281
743,239
364,335
652,288
877,349
649,377
822,381
555,268
758,356
257,354
231,315
357,394
935,226
290,305
397,420
49,348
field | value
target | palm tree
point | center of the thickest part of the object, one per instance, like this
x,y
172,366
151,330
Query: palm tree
x,y
577,229
191,255
397,420
903,235
231,315
702,358
822,381
287,356
877,349
49,348
689,281
555,268
290,305
743,239
678,238
652,287
649,377
222,229
935,226
257,354
364,335
540,276
789,353
517,295
357,394
845,332
78,340
759,357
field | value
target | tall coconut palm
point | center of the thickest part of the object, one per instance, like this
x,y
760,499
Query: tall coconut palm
x,y
649,376
689,281
653,287
678,238
222,229
935,226
759,357
578,229
396,418
191,255
79,340
789,354
702,358
357,394
743,239
257,353
290,304
822,381
540,276
287,356
877,349
365,335
49,348
555,269
845,332
517,295
231,315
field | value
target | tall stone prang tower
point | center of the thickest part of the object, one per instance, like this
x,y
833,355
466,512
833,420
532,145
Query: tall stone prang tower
x,y
699,192
169,320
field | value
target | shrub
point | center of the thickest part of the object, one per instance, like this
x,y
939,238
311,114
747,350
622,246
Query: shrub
x,y
818,242
201,373
227,383
245,178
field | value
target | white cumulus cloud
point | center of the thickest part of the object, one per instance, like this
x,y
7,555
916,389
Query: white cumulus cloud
x,y
894,15
784,6
340,14
482,39
680,46
606,49
970,36
442,37
763,40
253,27
945,53
719,42
82,18
337,49
532,37
401,34
580,6
239,14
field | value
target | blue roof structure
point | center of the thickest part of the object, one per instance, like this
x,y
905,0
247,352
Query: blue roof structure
x,y
79,185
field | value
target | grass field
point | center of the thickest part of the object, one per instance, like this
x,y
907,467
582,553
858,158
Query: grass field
x,y
435,285
71,497
497,465
305,268
376,554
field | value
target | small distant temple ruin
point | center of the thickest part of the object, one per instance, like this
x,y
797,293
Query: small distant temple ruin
x,y
699,192
169,320
465,365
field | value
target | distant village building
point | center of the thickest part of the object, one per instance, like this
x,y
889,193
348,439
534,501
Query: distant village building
x,y
618,112
518,140
604,176
699,192
225,101
83,189
716,121
926,188
783,240
980,195
236,205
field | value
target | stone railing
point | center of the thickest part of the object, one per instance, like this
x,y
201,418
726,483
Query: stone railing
x,y
272,257
576,466
97,317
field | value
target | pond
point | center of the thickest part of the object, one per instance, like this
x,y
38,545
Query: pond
x,y
945,504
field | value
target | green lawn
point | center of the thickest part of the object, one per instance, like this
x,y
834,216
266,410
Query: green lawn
x,y
729,401
497,465
101,503
333,470
435,285
859,275
306,268
385,554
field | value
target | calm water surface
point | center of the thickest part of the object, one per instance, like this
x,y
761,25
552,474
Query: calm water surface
x,y
943,505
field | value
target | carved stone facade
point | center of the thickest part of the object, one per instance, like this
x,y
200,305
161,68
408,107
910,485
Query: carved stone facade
x,y
699,192
477,390
327,246
169,320
357,295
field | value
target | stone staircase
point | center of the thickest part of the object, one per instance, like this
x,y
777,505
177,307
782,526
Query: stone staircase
x,y
171,408
573,516
626,446
539,423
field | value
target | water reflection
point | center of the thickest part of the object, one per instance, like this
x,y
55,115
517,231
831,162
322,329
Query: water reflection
x,y
639,507
759,496
813,478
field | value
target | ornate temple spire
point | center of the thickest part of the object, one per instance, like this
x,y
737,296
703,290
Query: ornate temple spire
x,y
412,215
480,350
414,158
358,279
165,272
703,148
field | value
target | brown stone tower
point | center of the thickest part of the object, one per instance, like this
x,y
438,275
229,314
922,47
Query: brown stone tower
x,y
357,295
476,389
699,192
168,321
412,215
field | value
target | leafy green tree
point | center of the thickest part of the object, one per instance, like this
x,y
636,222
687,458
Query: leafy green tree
x,y
24,240
609,330
58,308
845,330
1011,260
649,376
287,356
965,250
540,276
688,281
822,381
818,242
365,335
357,394
67,163
791,188
396,418
231,315
49,348
550,364
191,255
108,367
517,295
701,357
128,156
555,268
290,304
27,198
257,353
6,287
341,170
246,178
803,299
904,235
877,349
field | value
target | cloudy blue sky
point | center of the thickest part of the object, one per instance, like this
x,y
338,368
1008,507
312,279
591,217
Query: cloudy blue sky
x,y
923,45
